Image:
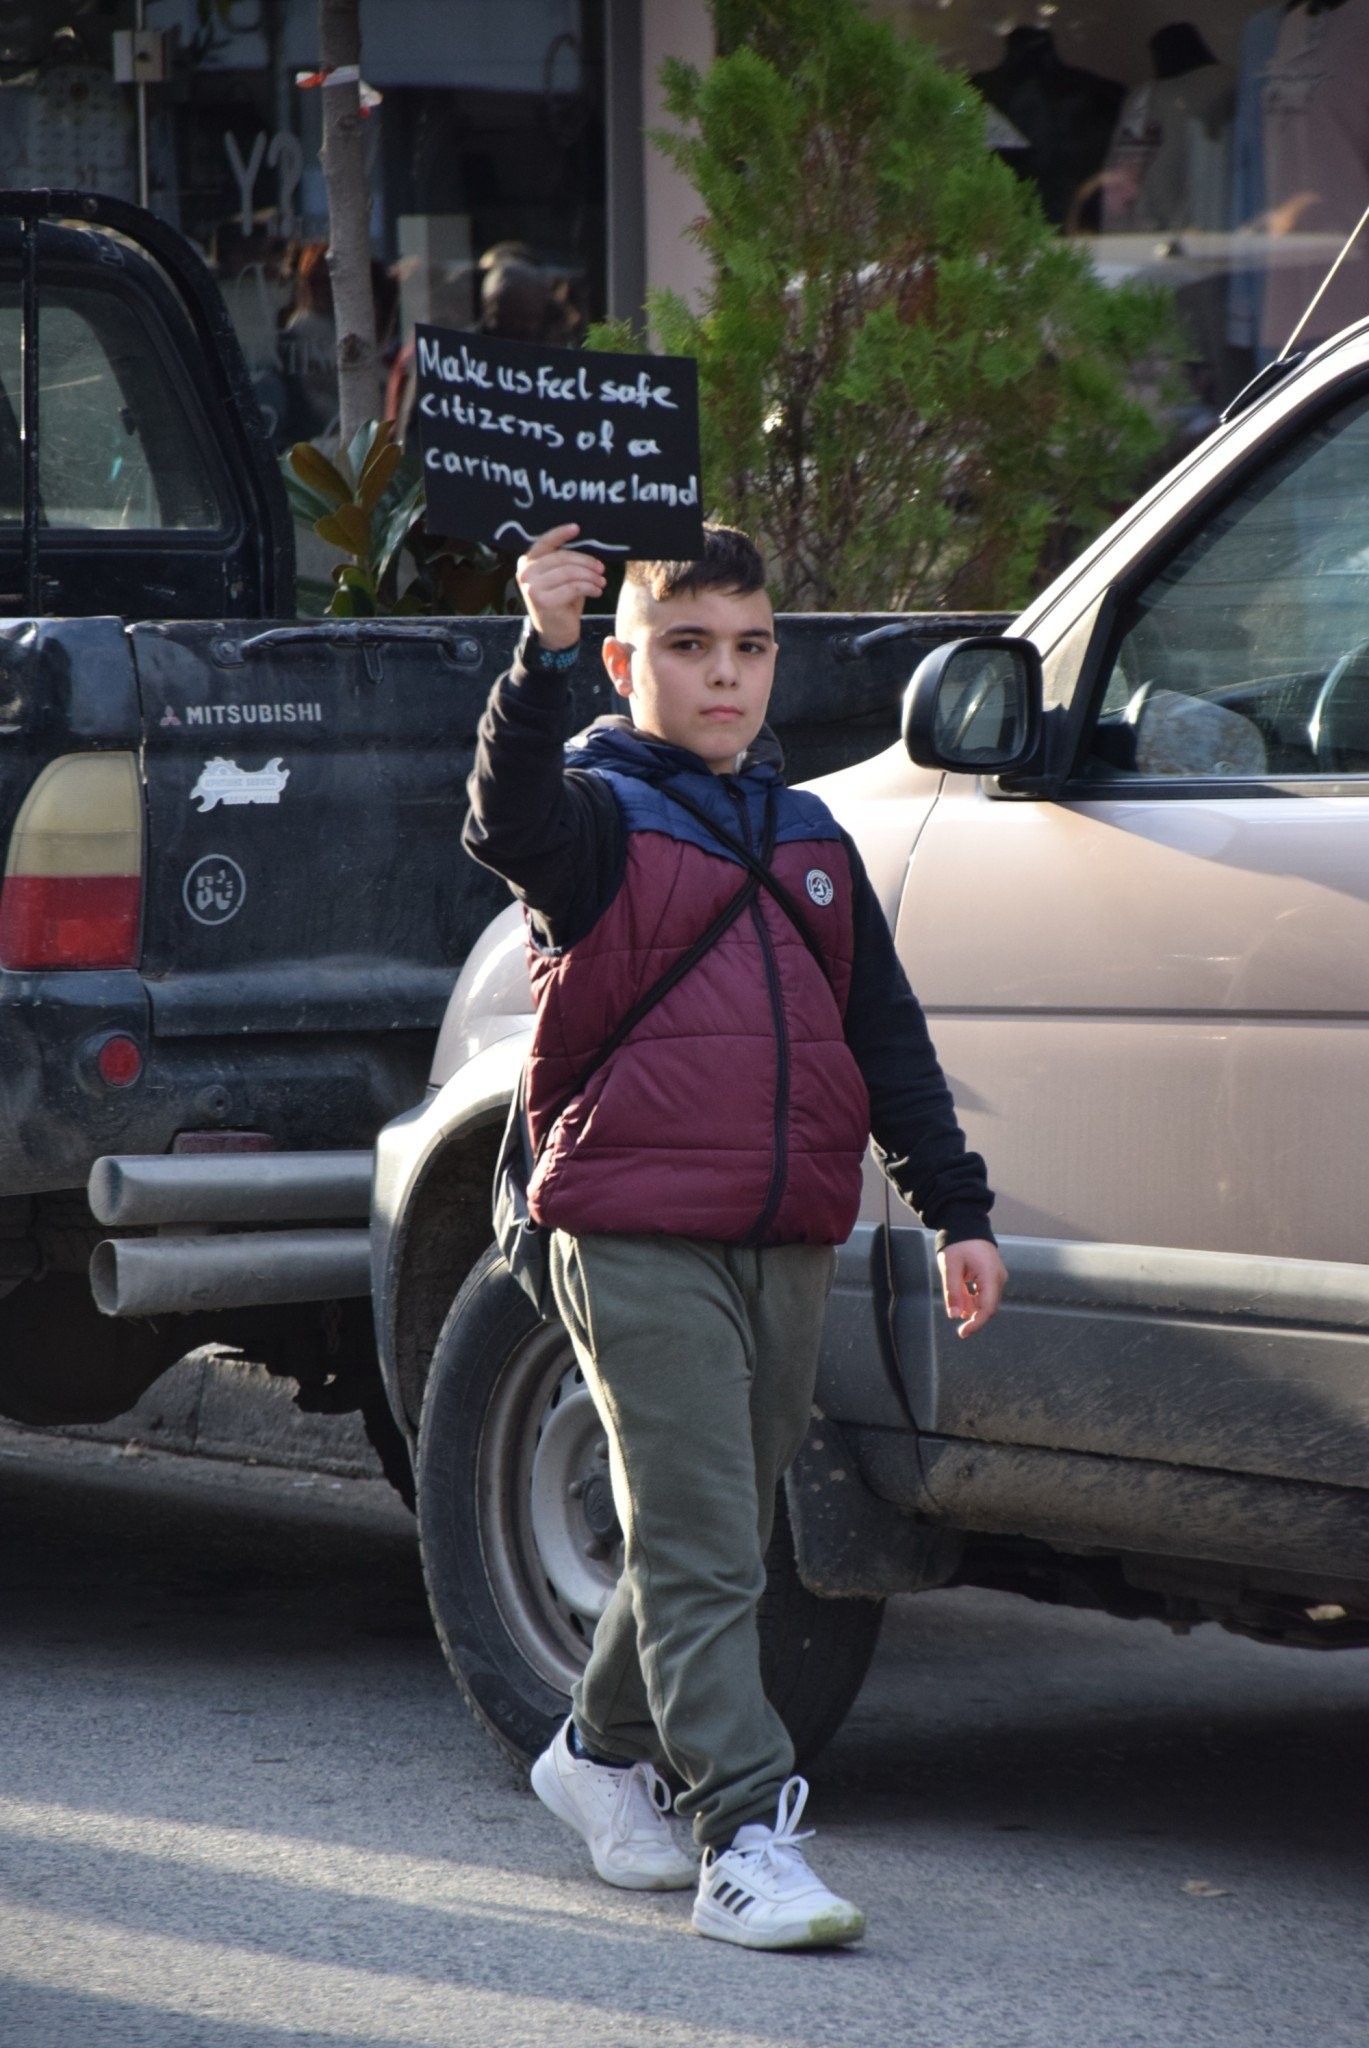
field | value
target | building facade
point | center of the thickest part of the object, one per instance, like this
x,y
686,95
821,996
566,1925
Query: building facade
x,y
488,144
1225,153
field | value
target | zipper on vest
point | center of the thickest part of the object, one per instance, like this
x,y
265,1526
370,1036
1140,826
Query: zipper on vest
x,y
779,1167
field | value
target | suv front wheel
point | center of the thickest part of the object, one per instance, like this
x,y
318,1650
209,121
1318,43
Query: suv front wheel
x,y
521,1546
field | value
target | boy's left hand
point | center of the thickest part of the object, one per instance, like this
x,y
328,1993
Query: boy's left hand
x,y
972,1278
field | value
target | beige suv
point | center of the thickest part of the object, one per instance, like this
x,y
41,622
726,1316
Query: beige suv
x,y
1126,856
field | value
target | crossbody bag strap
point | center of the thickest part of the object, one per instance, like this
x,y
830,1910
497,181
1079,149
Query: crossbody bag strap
x,y
759,869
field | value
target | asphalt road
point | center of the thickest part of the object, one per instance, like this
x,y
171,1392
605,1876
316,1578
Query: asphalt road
x,y
241,1805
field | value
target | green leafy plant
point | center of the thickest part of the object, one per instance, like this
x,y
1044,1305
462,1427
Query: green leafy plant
x,y
912,390
369,505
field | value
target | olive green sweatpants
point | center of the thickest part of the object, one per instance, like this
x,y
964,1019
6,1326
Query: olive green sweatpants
x,y
701,1359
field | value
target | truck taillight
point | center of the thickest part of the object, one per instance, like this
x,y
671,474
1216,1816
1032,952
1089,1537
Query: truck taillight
x,y
73,876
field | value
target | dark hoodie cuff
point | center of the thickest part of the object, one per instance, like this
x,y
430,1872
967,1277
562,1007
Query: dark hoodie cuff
x,y
965,1226
540,686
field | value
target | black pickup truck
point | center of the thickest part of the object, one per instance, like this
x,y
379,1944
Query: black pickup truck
x,y
227,921
234,903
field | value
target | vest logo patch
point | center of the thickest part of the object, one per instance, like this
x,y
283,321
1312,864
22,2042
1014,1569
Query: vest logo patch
x,y
819,887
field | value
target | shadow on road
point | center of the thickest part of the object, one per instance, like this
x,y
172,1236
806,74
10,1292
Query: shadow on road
x,y
241,1804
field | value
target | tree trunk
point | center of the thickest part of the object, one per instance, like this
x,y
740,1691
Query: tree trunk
x,y
349,220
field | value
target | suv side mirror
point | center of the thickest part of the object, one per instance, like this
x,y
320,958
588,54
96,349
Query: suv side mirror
x,y
975,705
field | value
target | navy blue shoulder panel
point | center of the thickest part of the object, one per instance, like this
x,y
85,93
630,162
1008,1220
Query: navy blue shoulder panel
x,y
646,807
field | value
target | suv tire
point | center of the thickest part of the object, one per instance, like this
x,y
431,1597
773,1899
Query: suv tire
x,y
520,1546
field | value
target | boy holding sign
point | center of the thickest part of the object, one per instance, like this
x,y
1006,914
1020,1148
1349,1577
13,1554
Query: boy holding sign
x,y
697,1183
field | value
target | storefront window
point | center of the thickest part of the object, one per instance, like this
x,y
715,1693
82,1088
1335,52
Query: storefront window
x,y
1225,153
485,155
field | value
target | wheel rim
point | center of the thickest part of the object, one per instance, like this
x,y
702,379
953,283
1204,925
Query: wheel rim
x,y
549,1537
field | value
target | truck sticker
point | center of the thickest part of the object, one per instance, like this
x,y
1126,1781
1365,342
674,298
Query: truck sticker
x,y
223,782
253,714
214,889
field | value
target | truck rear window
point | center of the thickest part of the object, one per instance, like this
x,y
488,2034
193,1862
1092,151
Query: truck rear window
x,y
121,446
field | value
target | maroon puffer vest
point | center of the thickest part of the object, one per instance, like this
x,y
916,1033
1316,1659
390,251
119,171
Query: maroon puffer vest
x,y
735,1110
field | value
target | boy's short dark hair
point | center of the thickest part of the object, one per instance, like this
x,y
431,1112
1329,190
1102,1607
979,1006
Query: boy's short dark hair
x,y
730,561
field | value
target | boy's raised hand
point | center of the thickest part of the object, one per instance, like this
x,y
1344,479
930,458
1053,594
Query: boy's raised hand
x,y
557,582
972,1278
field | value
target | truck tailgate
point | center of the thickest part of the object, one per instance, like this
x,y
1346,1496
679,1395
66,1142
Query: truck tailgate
x,y
304,806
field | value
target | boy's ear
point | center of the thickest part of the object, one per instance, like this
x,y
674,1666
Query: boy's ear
x,y
618,662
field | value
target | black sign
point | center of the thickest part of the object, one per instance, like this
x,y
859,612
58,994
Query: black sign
x,y
517,439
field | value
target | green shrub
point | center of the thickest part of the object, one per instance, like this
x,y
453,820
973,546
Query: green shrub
x,y
369,504
913,391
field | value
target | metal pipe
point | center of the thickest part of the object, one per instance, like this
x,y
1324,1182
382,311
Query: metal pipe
x,y
150,1276
33,591
140,95
246,1187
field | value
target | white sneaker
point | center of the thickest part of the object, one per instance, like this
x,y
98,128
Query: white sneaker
x,y
621,1814
761,1894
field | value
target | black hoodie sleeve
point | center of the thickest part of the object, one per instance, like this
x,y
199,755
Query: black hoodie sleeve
x,y
912,1117
556,835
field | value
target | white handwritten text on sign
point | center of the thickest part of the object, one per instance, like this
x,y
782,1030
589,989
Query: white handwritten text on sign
x,y
517,438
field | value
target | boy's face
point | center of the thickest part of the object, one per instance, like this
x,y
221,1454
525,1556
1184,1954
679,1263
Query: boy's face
x,y
696,670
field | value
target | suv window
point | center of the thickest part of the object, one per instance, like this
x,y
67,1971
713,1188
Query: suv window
x,y
1248,655
118,448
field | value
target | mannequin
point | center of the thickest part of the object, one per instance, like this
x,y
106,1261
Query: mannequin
x,y
1169,172
1316,154
1065,113
1178,49
1169,164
